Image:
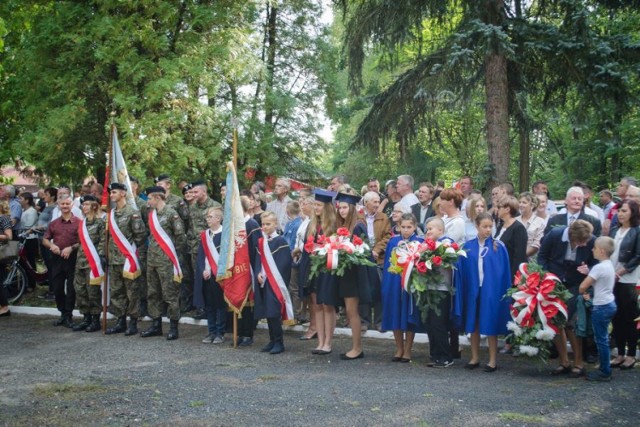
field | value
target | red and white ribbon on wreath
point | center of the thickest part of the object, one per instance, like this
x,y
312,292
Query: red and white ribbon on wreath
x,y
210,252
165,243
278,286
332,247
131,268
96,273
407,254
534,296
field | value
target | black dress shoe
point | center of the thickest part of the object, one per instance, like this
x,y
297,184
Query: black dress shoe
x,y
6,314
488,368
471,366
344,356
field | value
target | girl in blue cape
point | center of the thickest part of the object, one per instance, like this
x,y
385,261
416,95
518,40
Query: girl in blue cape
x,y
481,281
399,311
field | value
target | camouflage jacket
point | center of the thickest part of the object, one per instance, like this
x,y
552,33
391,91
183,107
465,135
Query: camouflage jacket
x,y
198,221
172,224
96,234
132,227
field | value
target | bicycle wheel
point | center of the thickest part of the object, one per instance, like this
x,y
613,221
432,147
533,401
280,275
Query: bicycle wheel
x,y
15,282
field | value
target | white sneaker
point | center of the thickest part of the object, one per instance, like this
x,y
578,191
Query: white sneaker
x,y
208,339
218,340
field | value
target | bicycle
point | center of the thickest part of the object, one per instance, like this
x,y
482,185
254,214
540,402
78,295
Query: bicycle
x,y
19,273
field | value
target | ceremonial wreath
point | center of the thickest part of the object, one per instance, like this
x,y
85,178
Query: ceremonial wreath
x,y
538,310
337,253
421,265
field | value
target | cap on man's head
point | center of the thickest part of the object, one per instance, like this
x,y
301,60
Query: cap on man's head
x,y
117,186
154,189
88,198
186,188
324,196
347,198
162,177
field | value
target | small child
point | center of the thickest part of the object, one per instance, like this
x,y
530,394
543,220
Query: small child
x,y
272,299
438,325
602,278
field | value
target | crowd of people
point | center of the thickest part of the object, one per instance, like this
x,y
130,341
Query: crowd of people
x,y
163,254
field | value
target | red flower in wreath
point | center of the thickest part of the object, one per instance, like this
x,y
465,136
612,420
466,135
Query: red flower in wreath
x,y
309,245
421,267
356,240
431,245
343,232
455,246
437,260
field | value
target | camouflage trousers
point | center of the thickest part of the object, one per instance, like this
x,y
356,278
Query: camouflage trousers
x,y
88,297
125,294
162,289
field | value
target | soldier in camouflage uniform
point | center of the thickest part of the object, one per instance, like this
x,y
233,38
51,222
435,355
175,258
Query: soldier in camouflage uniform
x,y
182,208
125,291
142,255
197,223
162,280
89,295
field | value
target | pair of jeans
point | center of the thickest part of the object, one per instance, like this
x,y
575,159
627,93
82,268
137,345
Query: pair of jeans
x,y
601,316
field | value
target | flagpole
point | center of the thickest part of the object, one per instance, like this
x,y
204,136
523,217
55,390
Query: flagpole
x,y
235,165
105,289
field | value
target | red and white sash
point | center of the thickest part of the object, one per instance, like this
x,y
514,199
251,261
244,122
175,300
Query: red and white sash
x,y
165,243
275,279
131,268
210,252
96,273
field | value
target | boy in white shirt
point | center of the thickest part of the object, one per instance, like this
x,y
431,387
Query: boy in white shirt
x,y
602,277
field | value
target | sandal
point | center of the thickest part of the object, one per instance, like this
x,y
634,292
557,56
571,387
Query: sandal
x,y
561,370
578,372
627,366
615,363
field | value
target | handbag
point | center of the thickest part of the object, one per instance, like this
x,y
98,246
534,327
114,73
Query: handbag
x,y
9,251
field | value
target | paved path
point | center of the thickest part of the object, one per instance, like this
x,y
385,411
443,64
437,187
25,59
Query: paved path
x,y
52,376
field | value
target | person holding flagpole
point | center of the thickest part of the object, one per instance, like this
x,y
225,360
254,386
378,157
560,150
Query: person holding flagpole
x,y
127,233
89,273
273,273
164,273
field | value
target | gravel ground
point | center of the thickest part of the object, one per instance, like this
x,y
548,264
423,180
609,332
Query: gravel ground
x,y
54,377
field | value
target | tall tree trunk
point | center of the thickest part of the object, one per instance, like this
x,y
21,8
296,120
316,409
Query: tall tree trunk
x,y
272,17
497,116
524,157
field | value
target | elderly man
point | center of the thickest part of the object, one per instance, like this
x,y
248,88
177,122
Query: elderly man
x,y
574,202
64,191
378,233
8,193
466,186
279,203
61,238
336,182
423,210
404,186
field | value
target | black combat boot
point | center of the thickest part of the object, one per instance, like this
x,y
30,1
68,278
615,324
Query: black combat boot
x,y
173,330
155,330
120,326
77,327
133,327
95,323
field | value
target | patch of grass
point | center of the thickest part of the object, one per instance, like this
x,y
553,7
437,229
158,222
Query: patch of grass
x,y
67,390
524,418
265,378
196,404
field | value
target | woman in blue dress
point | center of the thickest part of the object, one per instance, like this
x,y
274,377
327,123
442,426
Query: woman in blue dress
x,y
481,279
399,311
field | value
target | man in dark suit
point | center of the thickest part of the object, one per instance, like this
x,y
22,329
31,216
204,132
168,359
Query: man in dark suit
x,y
567,252
423,210
574,202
